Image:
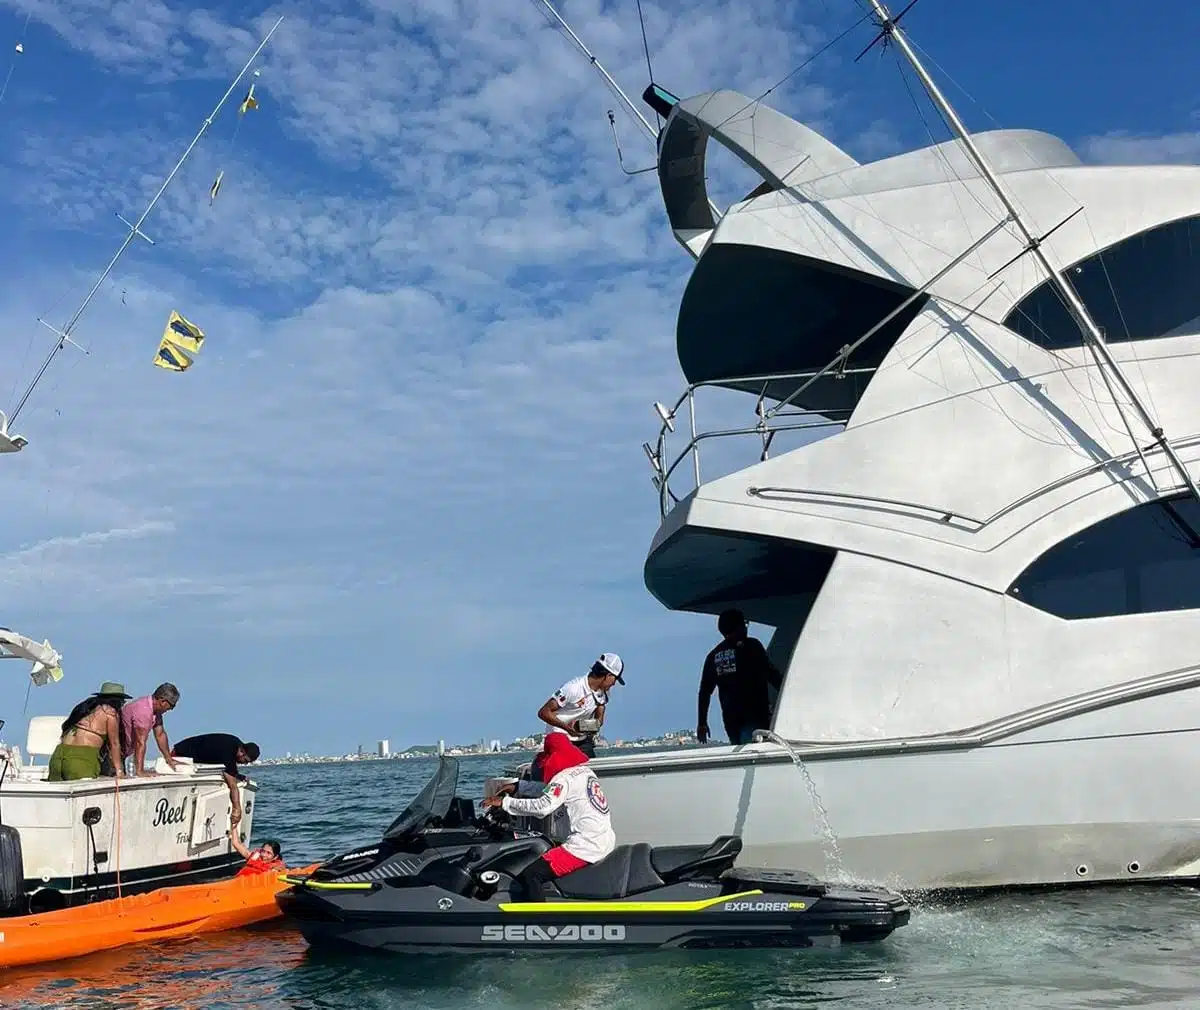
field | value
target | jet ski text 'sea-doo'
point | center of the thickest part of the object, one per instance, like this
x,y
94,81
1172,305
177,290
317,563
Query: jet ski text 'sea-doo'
x,y
442,879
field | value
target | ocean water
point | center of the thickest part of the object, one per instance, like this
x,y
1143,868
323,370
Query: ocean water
x,y
1098,948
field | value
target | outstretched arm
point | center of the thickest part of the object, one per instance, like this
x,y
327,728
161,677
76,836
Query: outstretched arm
x,y
542,806
708,684
160,737
235,814
139,753
238,844
114,744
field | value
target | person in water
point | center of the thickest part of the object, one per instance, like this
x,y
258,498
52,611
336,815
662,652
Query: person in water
x,y
264,859
139,717
91,741
739,670
221,749
569,783
583,697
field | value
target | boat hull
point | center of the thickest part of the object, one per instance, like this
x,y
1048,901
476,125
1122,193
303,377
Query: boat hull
x,y
758,919
1093,799
144,833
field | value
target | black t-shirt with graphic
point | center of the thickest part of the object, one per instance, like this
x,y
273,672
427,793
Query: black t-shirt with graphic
x,y
739,672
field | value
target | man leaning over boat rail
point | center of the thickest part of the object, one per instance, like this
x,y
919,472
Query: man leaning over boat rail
x,y
141,715
221,749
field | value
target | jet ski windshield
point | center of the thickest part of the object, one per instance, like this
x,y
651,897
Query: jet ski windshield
x,y
432,802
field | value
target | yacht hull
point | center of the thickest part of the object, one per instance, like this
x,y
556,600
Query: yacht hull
x,y
1070,803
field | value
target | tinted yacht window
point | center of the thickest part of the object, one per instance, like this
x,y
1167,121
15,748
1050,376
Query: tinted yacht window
x,y
1142,560
1153,275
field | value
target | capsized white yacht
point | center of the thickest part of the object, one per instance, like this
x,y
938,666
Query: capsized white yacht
x,y
984,583
64,843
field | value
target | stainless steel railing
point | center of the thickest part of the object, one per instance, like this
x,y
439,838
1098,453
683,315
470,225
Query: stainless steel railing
x,y
765,428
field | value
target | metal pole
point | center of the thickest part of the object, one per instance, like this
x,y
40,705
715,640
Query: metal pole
x,y
695,444
603,73
843,356
1090,330
135,229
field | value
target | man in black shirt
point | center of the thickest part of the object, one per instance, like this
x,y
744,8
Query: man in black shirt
x,y
221,749
739,670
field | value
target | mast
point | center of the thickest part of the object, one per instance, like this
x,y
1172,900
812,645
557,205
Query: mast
x,y
64,335
889,28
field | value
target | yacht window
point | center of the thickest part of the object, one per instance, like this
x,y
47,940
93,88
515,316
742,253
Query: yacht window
x,y
1138,289
1139,561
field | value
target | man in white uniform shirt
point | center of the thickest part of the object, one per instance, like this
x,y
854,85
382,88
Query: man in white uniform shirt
x,y
584,698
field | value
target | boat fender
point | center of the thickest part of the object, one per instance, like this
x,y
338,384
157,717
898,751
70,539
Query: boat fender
x,y
12,872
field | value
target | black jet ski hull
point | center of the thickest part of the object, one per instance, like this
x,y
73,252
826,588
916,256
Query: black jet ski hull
x,y
443,879
390,921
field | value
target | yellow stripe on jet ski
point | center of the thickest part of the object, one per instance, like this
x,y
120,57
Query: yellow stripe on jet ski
x,y
621,906
330,885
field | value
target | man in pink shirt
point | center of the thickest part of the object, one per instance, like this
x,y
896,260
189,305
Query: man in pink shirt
x,y
141,715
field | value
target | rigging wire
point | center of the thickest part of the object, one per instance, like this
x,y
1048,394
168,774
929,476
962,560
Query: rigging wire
x,y
135,231
20,48
646,49
782,81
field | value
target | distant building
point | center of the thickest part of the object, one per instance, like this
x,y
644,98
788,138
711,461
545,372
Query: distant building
x,y
441,747
494,747
384,749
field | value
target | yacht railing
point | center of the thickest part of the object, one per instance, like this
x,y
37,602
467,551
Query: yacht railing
x,y
765,428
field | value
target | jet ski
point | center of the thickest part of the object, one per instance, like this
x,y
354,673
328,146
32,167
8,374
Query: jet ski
x,y
442,879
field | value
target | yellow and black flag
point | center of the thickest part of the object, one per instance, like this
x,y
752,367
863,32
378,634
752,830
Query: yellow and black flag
x,y
179,340
248,103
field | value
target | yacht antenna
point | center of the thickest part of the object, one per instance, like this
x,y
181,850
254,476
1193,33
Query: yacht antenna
x,y
889,28
64,335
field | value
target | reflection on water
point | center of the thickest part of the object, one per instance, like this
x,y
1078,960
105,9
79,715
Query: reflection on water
x,y
1095,949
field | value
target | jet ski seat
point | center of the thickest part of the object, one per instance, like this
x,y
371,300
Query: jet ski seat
x,y
680,862
630,869
626,870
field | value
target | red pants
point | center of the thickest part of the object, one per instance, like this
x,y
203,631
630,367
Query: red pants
x,y
563,862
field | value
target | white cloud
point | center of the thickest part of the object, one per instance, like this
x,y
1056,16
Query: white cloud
x,y
1122,148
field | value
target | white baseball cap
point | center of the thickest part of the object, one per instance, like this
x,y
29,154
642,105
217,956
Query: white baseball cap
x,y
611,663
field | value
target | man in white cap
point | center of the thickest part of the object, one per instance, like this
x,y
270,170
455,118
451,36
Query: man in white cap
x,y
577,708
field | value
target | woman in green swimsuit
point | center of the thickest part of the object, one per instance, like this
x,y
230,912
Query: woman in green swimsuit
x,y
92,724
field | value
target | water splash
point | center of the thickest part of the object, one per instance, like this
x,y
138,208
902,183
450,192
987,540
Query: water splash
x,y
834,865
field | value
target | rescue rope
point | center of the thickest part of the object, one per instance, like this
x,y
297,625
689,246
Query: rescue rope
x,y
117,813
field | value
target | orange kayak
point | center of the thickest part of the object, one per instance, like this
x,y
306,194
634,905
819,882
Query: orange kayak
x,y
165,914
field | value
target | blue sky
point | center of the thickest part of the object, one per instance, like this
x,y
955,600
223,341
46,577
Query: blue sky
x,y
402,492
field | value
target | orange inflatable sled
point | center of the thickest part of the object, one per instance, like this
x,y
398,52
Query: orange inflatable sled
x,y
165,914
